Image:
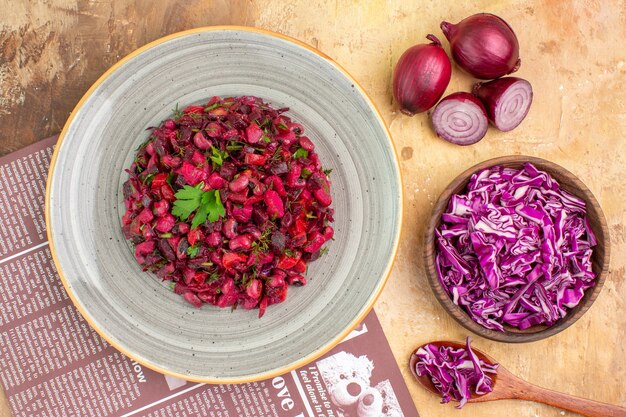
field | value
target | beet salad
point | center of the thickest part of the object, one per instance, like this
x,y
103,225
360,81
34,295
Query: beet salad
x,y
229,202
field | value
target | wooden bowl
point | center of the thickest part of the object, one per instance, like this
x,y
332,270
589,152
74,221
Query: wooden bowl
x,y
600,257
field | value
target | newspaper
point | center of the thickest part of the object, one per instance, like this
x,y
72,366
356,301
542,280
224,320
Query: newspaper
x,y
54,364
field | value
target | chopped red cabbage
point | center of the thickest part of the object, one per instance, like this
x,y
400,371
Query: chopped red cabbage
x,y
457,373
515,249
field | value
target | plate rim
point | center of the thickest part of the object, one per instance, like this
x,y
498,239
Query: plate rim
x,y
277,371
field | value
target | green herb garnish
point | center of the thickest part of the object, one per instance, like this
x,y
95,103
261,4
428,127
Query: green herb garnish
x,y
205,204
262,244
177,112
265,124
213,106
192,251
218,156
148,179
305,173
194,115
213,277
276,155
234,147
300,153
140,161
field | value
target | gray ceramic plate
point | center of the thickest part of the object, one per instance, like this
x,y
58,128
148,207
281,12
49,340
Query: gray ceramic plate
x,y
137,313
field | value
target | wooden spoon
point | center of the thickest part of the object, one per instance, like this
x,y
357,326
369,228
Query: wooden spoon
x,y
508,386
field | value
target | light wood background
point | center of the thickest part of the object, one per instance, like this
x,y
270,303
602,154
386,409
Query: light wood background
x,y
572,52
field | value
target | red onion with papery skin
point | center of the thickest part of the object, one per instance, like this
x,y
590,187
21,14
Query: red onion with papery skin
x,y
507,101
483,45
460,118
421,76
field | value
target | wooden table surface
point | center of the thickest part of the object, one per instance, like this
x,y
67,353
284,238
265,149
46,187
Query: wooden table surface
x,y
572,52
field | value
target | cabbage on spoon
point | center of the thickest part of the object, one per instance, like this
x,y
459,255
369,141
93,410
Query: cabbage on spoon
x,y
470,375
456,372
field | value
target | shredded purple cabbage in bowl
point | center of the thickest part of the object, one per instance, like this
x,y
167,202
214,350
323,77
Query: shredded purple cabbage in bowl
x,y
457,373
514,248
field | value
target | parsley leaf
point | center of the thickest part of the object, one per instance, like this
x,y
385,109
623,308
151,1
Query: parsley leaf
x,y
282,126
300,153
206,204
188,199
216,209
328,171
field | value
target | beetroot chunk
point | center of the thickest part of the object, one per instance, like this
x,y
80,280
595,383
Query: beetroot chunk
x,y
143,249
145,216
274,204
316,240
215,181
240,243
323,197
165,223
191,174
161,208
239,184
192,299
253,133
201,142
242,214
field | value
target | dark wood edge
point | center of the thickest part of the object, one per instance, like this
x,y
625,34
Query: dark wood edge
x,y
600,258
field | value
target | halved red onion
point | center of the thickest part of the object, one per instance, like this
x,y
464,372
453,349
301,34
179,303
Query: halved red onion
x,y
507,101
460,118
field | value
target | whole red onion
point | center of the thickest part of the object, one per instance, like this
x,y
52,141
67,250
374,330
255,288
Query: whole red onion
x,y
483,45
421,76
